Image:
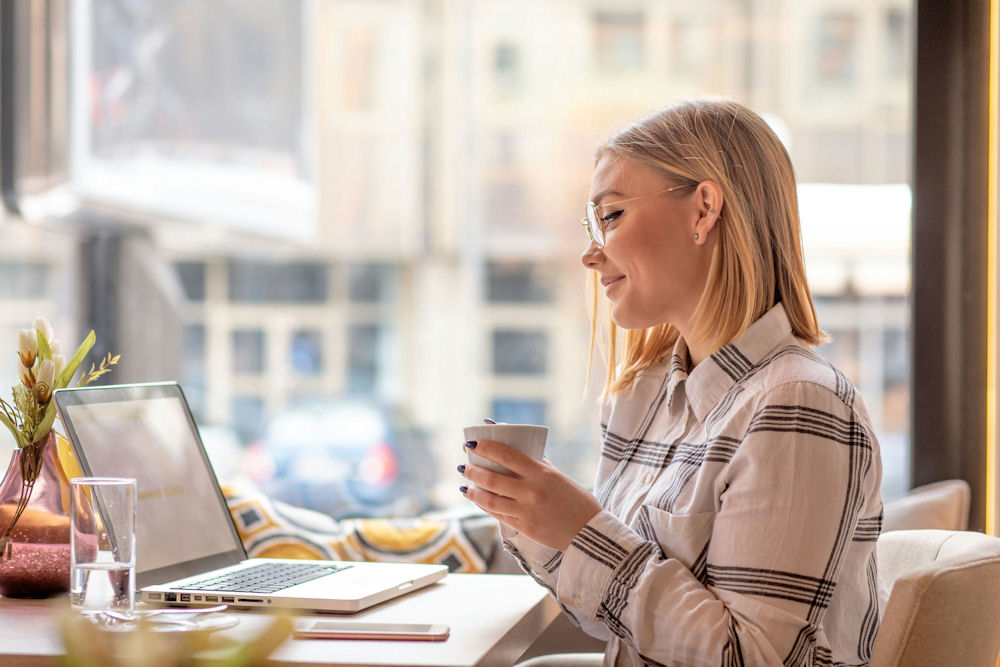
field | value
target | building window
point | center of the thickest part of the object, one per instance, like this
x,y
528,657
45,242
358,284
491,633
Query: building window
x,y
519,411
362,358
507,67
248,351
307,352
519,352
192,278
897,44
836,50
619,42
193,368
247,417
260,282
372,283
518,282
24,280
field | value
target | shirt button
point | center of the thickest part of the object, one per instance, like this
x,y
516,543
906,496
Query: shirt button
x,y
649,478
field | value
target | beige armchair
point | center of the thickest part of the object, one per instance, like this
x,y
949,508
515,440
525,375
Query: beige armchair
x,y
943,611
944,608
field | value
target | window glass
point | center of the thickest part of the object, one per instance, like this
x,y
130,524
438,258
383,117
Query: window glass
x,y
519,352
352,201
372,283
518,282
269,282
170,93
307,352
192,277
519,411
248,351
619,41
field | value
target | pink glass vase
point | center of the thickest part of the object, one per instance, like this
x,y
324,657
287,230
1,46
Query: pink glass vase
x,y
35,561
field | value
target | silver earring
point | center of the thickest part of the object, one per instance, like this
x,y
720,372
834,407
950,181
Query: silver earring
x,y
696,236
712,212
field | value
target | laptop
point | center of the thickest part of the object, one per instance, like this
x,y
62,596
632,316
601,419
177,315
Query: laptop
x,y
188,551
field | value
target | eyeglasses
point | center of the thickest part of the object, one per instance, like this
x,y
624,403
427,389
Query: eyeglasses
x,y
595,223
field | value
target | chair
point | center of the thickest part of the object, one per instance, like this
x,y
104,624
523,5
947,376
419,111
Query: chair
x,y
943,610
944,604
942,505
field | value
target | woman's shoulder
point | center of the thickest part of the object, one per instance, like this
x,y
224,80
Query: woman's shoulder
x,y
795,367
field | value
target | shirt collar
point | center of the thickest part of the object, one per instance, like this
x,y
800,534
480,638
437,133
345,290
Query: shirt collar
x,y
712,379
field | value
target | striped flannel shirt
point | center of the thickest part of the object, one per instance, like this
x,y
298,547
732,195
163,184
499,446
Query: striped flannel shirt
x,y
741,509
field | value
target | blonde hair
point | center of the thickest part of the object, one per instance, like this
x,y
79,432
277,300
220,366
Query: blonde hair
x,y
757,261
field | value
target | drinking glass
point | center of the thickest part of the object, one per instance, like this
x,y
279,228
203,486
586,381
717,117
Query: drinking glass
x,y
102,544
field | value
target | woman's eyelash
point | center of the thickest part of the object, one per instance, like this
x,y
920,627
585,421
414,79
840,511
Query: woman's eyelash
x,y
610,217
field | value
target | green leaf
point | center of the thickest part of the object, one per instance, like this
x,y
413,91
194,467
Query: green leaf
x,y
67,373
21,441
45,425
44,349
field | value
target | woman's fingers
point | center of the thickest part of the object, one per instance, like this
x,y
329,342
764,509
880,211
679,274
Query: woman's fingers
x,y
500,507
494,482
515,461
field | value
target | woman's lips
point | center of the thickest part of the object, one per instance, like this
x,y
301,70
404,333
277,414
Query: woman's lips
x,y
610,282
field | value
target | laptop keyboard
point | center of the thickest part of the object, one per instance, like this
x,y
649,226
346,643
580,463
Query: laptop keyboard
x,y
264,578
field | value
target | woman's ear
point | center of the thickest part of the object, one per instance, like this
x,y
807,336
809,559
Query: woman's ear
x,y
708,206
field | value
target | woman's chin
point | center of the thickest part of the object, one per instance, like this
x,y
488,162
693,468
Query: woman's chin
x,y
626,320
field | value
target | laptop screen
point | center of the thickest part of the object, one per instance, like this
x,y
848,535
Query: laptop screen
x,y
146,431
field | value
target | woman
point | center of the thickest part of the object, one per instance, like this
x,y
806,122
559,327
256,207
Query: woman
x,y
737,500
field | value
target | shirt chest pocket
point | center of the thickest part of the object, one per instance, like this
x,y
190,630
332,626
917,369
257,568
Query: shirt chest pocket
x,y
680,536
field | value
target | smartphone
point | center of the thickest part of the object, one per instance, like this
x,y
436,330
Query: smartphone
x,y
322,629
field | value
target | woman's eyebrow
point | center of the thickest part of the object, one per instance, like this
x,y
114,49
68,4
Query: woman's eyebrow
x,y
604,193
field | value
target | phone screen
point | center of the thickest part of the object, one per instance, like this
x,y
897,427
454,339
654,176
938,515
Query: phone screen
x,y
361,630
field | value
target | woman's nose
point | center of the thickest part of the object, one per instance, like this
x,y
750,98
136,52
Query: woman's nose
x,y
591,256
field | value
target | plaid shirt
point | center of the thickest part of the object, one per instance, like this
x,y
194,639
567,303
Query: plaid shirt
x,y
741,509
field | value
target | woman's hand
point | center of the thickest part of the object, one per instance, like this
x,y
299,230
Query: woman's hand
x,y
538,500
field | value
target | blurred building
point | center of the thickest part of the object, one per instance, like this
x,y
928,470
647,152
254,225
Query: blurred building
x,y
447,149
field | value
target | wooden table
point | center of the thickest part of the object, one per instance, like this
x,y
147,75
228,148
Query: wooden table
x,y
493,619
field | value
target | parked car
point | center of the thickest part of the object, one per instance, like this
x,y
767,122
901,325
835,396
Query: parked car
x,y
347,457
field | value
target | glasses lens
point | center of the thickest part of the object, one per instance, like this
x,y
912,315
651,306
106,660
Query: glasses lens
x,y
594,225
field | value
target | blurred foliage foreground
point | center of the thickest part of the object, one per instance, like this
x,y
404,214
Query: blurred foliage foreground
x,y
89,644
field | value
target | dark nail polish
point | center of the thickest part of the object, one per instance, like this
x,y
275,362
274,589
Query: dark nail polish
x,y
471,444
463,489
461,468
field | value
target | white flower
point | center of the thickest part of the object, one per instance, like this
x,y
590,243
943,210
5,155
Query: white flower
x,y
55,348
60,362
27,347
42,324
46,378
25,375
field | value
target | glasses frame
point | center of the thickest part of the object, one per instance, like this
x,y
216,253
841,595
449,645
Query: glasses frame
x,y
594,223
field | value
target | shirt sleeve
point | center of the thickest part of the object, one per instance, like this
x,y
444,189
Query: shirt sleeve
x,y
542,563
749,583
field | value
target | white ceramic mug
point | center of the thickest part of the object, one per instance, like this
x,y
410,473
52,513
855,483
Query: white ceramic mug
x,y
526,438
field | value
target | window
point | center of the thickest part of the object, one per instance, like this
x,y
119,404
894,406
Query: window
x,y
307,352
516,282
380,201
372,283
619,43
248,418
519,352
519,411
267,282
507,67
204,100
363,358
248,351
836,50
192,277
25,280
192,375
